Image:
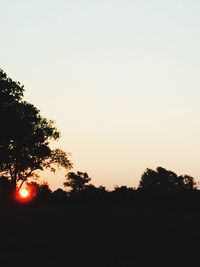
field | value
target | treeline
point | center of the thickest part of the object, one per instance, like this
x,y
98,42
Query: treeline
x,y
154,185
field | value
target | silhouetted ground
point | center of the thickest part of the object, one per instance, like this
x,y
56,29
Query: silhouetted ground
x,y
142,232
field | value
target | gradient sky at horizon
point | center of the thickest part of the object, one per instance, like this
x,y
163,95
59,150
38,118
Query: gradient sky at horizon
x,y
120,78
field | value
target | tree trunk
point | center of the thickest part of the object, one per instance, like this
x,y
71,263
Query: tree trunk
x,y
13,183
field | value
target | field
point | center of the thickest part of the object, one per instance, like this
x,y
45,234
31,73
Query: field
x,y
119,234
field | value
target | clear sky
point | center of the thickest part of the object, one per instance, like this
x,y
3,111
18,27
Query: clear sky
x,y
121,78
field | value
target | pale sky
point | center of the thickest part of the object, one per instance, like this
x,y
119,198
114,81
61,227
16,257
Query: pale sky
x,y
121,79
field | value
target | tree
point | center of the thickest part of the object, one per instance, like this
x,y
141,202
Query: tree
x,y
43,191
77,181
93,193
5,186
39,190
189,182
59,194
163,180
11,93
25,136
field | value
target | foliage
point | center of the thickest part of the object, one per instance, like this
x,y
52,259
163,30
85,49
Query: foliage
x,y
91,192
123,189
60,194
58,158
11,93
5,186
77,181
40,190
165,181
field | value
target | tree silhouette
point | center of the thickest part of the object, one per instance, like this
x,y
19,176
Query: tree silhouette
x,y
5,186
25,136
163,180
93,193
44,191
11,94
189,182
77,181
59,194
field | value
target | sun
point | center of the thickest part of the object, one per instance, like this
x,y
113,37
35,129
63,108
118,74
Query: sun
x,y
24,193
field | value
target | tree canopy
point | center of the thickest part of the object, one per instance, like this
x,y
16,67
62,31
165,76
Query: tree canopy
x,y
77,181
163,180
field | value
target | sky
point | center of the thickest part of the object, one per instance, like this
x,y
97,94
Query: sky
x,y
119,77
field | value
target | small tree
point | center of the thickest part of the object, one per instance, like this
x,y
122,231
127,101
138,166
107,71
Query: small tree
x,y
77,181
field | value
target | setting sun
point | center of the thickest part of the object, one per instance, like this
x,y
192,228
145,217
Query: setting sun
x,y
24,193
